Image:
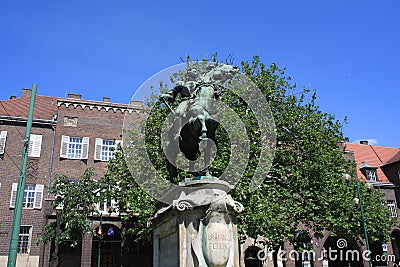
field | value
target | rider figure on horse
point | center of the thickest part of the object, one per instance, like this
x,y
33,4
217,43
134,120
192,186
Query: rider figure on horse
x,y
188,91
198,110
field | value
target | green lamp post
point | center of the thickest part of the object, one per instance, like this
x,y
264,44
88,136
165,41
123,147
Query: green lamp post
x,y
19,200
358,202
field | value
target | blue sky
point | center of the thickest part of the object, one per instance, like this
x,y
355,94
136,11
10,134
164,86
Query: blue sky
x,y
349,51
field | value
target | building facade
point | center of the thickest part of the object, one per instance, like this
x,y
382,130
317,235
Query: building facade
x,y
68,136
13,118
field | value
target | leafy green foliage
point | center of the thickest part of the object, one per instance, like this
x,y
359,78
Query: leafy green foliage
x,y
305,185
76,202
134,205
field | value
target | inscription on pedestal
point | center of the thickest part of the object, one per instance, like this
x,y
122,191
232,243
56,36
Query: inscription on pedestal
x,y
218,244
218,241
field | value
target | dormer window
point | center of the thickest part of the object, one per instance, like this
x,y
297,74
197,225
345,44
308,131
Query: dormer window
x,y
369,171
371,175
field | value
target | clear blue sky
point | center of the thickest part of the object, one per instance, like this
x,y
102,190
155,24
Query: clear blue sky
x,y
349,51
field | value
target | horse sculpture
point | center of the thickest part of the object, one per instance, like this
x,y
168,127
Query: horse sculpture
x,y
196,118
195,122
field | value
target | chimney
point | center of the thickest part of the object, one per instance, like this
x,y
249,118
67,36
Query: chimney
x,y
364,142
106,99
26,92
13,97
75,96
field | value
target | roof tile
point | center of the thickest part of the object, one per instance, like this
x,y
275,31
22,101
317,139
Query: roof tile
x,y
393,159
45,107
372,155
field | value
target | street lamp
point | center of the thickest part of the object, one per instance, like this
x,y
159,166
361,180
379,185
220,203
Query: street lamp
x,y
358,202
100,232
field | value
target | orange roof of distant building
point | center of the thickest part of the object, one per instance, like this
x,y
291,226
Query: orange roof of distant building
x,y
372,155
393,159
45,107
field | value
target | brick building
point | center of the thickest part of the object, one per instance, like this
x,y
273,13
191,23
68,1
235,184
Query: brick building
x,y
13,117
376,165
68,136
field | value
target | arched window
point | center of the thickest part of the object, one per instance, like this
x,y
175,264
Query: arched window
x,y
251,257
342,252
305,254
110,246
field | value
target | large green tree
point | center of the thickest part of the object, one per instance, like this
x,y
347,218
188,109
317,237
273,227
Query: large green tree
x,y
304,187
305,183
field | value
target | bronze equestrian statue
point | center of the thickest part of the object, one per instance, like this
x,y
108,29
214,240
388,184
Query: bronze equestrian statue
x,y
195,121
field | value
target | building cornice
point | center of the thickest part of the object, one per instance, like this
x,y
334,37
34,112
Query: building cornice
x,y
382,184
107,106
24,120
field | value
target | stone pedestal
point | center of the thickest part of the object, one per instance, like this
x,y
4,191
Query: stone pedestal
x,y
199,228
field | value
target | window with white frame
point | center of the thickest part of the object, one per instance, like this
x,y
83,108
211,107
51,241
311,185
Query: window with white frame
x,y
24,239
33,196
108,206
371,175
29,196
74,147
104,149
392,208
35,145
3,137
60,196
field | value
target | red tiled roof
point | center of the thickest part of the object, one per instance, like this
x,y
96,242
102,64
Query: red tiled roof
x,y
45,107
395,158
372,155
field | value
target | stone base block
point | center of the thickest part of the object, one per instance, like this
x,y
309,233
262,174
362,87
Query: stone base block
x,y
198,229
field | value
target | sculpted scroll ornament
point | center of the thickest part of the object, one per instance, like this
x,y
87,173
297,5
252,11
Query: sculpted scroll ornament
x,y
238,207
183,205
